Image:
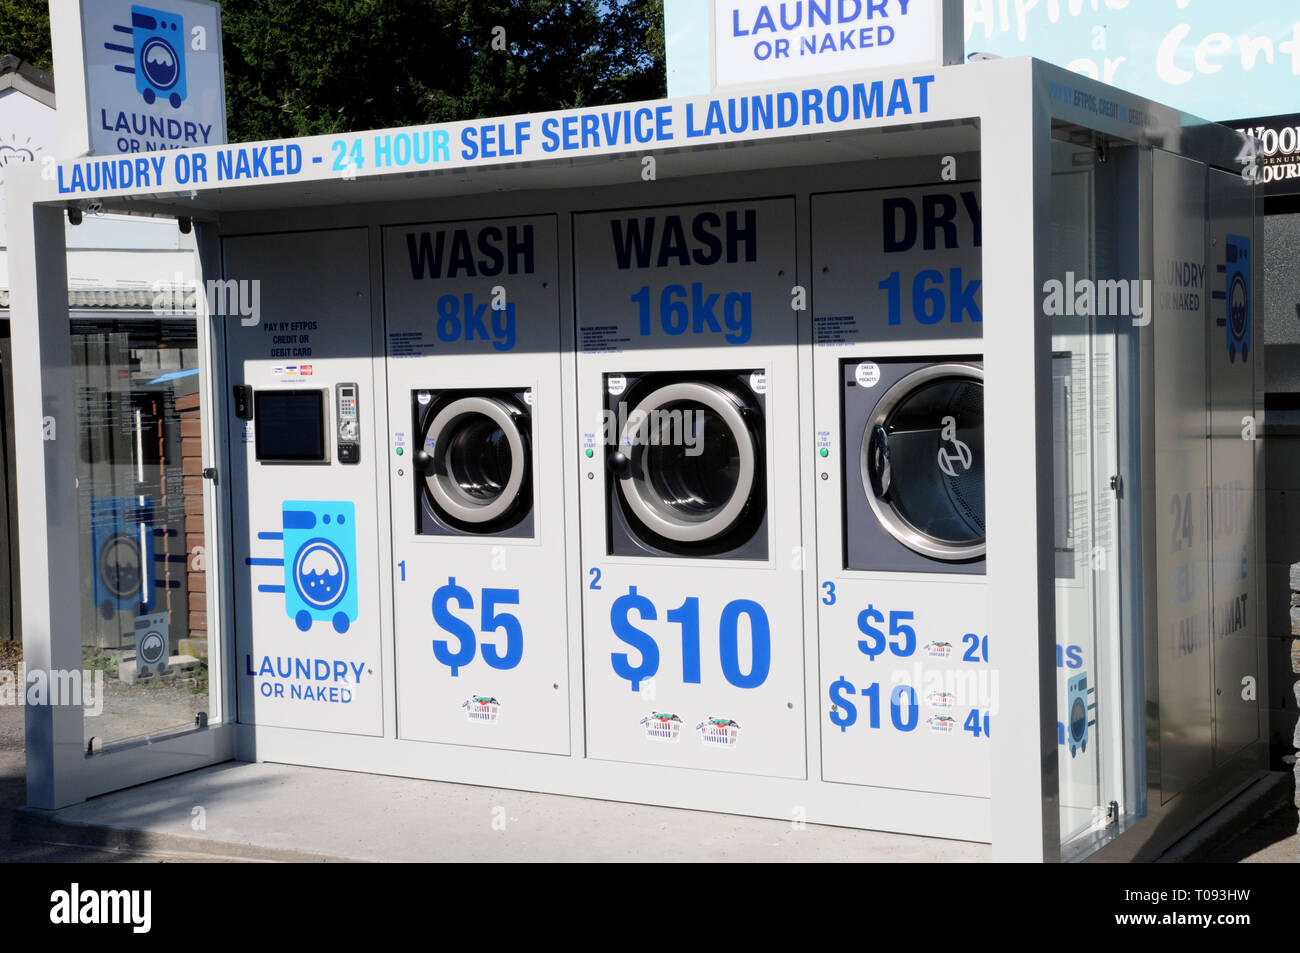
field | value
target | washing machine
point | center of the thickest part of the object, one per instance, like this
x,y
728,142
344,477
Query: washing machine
x,y
688,388
122,544
913,464
908,691
482,578
686,467
475,459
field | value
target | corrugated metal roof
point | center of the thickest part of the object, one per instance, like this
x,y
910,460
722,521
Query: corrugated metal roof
x,y
121,298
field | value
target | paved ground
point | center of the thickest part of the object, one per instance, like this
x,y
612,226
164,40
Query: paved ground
x,y
1274,840
267,811
320,814
13,771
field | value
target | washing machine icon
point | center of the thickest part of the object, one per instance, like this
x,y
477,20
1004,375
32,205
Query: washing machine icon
x,y
1236,296
121,534
320,558
1080,713
157,54
320,548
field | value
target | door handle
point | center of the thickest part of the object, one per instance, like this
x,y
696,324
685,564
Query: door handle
x,y
879,472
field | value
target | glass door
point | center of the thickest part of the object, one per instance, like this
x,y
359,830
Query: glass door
x,y
146,583
1092,307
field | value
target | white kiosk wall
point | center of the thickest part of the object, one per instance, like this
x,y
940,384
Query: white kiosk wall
x,y
907,689
305,513
478,498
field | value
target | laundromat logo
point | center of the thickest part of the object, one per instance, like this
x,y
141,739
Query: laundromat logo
x,y
153,81
718,732
482,709
1235,296
157,54
662,726
318,558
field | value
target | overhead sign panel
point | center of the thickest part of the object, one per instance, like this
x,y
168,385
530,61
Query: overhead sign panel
x,y
757,40
154,76
744,42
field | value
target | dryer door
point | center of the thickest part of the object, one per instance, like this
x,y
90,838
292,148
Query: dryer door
x,y
923,461
480,459
694,461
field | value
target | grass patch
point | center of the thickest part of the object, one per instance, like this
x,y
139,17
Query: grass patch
x,y
11,654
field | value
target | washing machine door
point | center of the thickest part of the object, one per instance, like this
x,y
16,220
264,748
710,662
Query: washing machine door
x,y
480,460
693,461
923,461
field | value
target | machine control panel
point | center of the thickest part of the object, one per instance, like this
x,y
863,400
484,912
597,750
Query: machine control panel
x,y
349,423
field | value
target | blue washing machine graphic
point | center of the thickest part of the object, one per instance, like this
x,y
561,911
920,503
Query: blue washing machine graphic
x,y
121,536
1236,296
1082,712
157,54
320,558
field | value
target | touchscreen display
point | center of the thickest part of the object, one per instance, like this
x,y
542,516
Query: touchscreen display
x,y
289,426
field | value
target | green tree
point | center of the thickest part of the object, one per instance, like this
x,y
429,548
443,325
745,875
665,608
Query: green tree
x,y
308,67
25,31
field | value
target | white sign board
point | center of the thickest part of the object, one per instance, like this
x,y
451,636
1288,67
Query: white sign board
x,y
757,41
154,76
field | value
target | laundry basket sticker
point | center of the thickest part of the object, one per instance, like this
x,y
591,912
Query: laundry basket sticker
x,y
718,733
482,709
941,699
662,726
941,724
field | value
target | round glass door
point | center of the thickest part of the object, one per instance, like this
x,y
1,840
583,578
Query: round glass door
x,y
923,461
479,459
693,461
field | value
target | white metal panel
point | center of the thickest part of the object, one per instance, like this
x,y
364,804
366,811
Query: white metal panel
x,y
313,333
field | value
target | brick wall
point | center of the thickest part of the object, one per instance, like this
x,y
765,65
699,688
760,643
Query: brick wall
x,y
192,464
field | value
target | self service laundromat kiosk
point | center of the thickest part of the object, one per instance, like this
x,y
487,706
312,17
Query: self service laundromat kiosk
x,y
874,450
